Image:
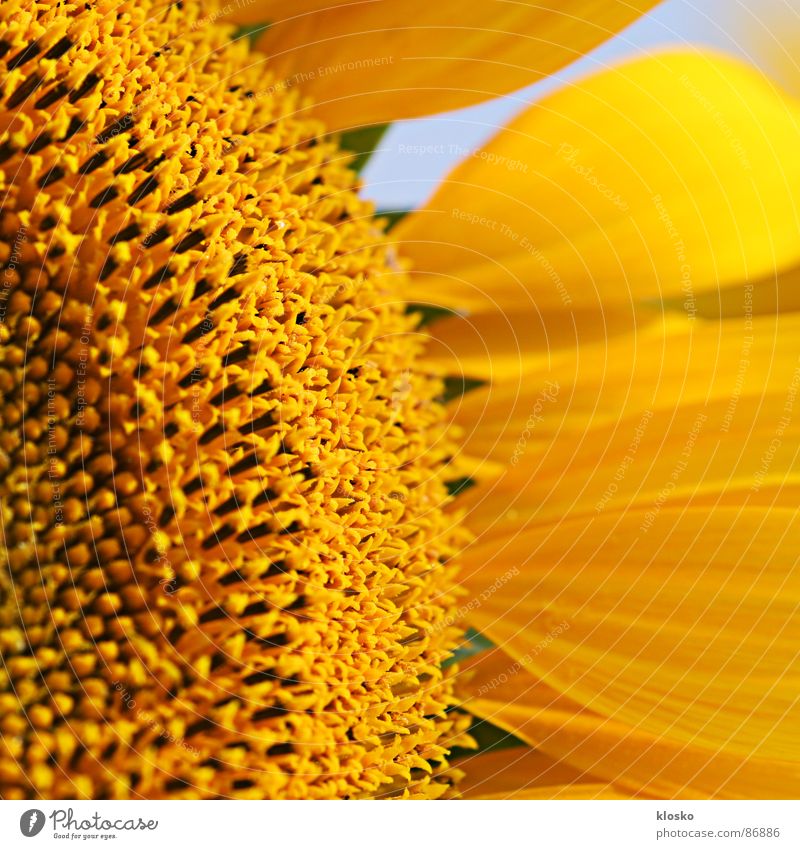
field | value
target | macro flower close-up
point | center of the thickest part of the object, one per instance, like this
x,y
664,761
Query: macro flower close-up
x,y
487,495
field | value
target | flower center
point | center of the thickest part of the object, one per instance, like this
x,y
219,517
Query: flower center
x,y
222,456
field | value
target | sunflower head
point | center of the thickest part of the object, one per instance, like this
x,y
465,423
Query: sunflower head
x,y
224,465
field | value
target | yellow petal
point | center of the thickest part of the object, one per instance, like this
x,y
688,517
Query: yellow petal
x,y
381,61
663,178
684,628
771,295
570,393
261,11
704,414
676,459
522,773
628,756
498,346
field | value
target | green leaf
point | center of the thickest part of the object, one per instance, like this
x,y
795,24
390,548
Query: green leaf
x,y
251,31
489,738
474,643
392,216
455,387
459,485
428,313
363,143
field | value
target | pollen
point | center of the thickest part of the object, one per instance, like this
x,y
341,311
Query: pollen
x,y
226,527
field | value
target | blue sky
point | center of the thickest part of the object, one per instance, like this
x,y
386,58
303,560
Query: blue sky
x,y
398,179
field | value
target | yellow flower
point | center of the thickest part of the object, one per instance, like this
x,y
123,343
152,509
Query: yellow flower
x,y
229,482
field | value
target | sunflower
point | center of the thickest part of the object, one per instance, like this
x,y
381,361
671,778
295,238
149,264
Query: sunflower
x,y
265,461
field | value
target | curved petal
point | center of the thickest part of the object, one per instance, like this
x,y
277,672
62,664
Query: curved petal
x,y
684,627
528,774
702,414
375,61
601,391
499,346
613,751
663,178
773,294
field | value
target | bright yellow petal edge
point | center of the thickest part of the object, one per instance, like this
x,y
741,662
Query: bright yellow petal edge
x,y
664,178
